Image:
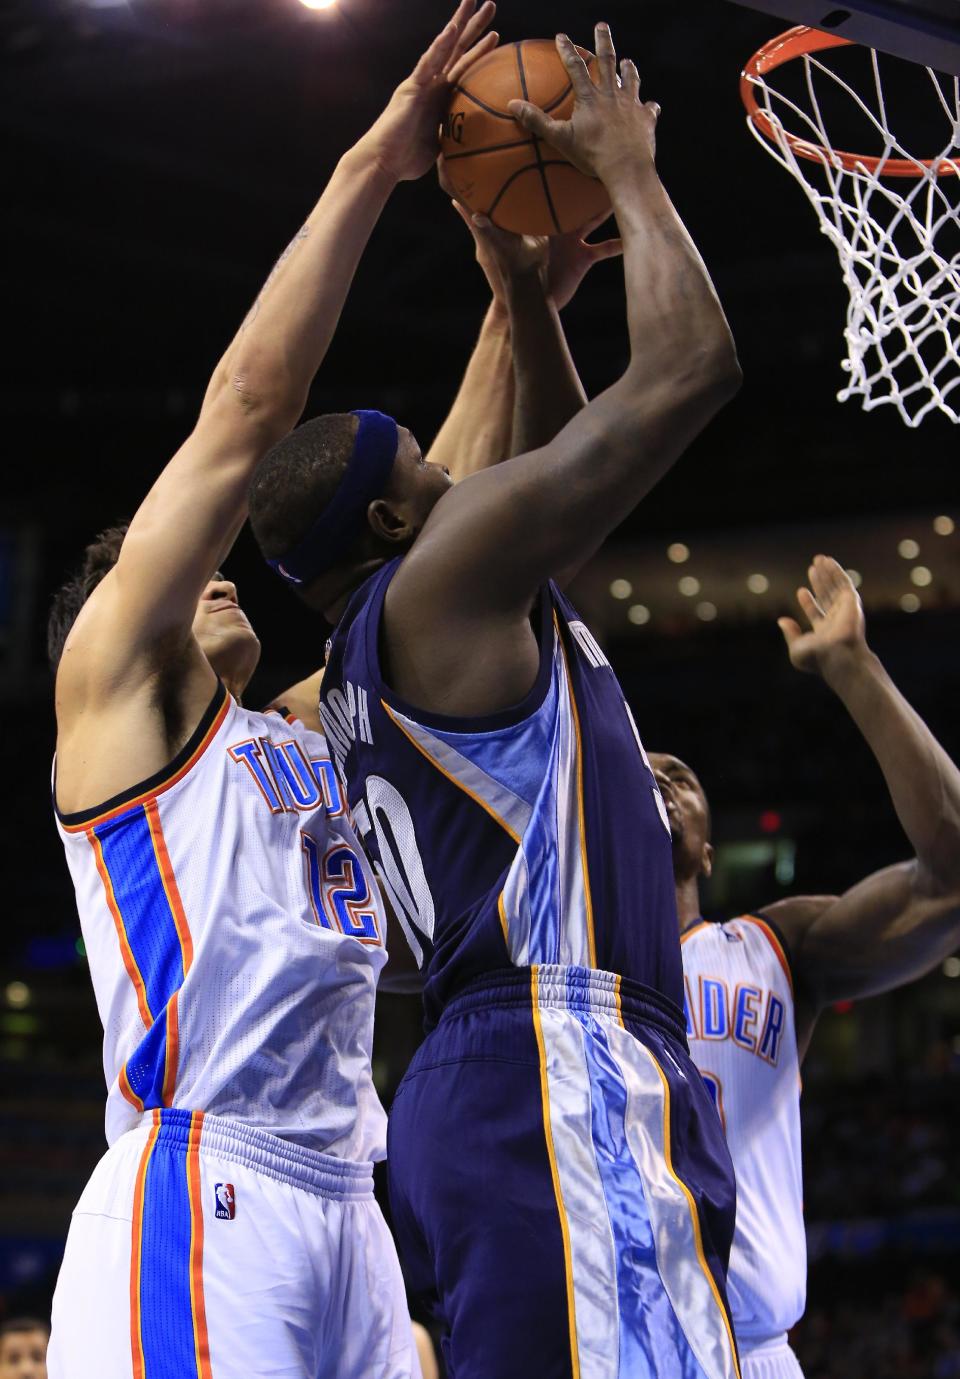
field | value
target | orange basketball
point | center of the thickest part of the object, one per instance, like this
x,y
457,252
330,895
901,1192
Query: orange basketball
x,y
495,166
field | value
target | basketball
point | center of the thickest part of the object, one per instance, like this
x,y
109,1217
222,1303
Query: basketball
x,y
498,169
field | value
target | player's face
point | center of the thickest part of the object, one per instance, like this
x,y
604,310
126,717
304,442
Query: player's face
x,y
688,812
416,486
224,633
23,1355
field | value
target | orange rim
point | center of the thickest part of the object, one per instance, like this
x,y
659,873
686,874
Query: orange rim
x,y
799,42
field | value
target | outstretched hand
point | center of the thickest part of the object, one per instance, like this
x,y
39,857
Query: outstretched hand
x,y
560,261
403,141
833,609
610,129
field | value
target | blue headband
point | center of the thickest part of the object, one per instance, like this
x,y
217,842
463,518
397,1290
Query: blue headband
x,y
342,520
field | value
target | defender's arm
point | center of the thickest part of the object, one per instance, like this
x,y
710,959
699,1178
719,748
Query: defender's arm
x,y
142,612
897,924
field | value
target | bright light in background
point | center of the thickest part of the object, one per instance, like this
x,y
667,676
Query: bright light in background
x,y
758,584
920,576
689,586
319,4
951,967
908,549
621,588
706,611
638,613
909,603
678,552
944,526
18,995
855,578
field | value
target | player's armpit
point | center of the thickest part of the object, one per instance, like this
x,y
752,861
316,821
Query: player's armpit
x,y
889,929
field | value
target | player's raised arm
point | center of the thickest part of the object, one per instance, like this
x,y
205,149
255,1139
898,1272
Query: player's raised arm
x,y
480,550
896,924
142,612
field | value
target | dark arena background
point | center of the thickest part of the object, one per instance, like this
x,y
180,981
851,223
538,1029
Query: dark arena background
x,y
157,154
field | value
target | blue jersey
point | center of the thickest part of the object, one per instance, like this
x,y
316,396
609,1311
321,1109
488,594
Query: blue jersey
x,y
531,836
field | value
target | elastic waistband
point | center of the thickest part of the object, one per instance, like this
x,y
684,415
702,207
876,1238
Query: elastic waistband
x,y
321,1174
773,1345
578,989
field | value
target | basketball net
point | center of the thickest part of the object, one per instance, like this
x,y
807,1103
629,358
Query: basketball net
x,y
893,218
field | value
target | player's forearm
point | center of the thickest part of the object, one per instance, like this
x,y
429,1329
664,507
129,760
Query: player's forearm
x,y
547,388
269,366
924,783
676,323
476,432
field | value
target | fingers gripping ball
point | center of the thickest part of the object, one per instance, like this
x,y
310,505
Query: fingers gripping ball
x,y
495,167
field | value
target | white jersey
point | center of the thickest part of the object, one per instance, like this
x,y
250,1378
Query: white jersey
x,y
235,934
740,1026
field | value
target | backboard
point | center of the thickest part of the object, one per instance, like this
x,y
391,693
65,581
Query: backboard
x,y
923,31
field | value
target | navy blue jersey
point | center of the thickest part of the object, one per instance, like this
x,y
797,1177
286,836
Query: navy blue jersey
x,y
534,835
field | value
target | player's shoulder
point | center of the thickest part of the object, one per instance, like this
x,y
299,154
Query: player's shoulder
x,y
755,938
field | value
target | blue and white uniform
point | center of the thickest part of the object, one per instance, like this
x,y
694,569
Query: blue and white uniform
x,y
740,1025
234,935
560,1186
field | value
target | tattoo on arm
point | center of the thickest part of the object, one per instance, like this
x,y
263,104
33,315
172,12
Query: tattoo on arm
x,y
254,311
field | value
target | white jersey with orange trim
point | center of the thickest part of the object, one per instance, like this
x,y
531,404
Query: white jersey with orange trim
x,y
235,934
742,1036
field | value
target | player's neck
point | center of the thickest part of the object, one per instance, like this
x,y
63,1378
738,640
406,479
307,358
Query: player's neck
x,y
688,902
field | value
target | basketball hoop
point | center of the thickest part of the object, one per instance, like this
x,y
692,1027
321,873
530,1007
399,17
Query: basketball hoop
x,y
899,245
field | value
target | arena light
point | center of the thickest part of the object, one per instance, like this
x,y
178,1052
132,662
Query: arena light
x,y
909,603
944,526
678,552
689,586
855,578
638,614
951,967
706,611
621,589
318,4
758,584
908,549
921,576
18,995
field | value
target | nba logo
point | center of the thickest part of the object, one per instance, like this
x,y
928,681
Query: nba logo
x,y
226,1201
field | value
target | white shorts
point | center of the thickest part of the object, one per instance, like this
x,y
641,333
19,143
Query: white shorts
x,y
771,1359
202,1249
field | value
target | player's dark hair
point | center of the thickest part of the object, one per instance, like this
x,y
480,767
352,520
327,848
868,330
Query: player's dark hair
x,y
99,559
16,1326
296,479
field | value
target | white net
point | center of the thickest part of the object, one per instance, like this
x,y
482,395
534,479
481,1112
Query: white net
x,y
897,237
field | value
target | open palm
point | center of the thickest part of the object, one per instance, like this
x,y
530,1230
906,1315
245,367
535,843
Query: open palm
x,y
834,612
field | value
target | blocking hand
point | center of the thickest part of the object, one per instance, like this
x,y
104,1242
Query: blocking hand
x,y
403,141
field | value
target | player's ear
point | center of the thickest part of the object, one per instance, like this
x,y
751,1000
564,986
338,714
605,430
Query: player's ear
x,y
706,861
388,523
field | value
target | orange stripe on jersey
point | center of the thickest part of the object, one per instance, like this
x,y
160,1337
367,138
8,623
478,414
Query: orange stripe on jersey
x,y
155,790
775,944
501,911
129,961
201,1340
171,890
694,929
584,865
172,1055
136,1253
452,779
127,1091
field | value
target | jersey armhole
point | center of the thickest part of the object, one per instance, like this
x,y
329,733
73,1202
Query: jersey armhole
x,y
174,771
774,936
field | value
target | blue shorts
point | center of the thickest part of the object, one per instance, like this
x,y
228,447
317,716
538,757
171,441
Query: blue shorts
x,y
561,1188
